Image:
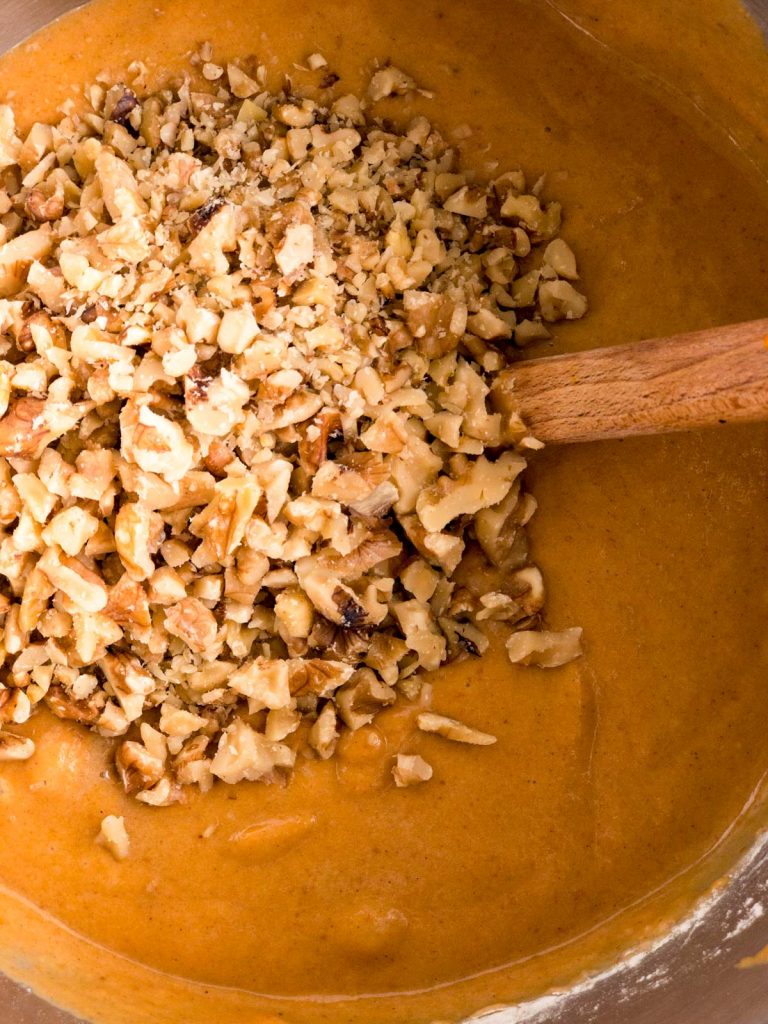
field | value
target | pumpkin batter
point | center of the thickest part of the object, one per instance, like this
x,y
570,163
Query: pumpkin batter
x,y
593,818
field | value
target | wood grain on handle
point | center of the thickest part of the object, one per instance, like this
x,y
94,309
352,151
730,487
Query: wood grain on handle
x,y
648,387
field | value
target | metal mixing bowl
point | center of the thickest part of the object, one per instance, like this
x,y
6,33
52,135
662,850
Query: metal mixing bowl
x,y
689,977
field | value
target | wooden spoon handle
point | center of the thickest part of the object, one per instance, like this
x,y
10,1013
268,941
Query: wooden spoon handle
x,y
648,387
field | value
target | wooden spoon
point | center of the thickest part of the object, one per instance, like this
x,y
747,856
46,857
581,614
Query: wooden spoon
x,y
648,387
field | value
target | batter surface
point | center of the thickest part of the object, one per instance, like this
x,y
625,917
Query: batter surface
x,y
590,821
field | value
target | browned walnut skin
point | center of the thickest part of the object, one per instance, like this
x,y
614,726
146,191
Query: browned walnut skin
x,y
662,385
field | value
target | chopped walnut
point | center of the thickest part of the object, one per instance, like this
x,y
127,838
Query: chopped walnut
x,y
113,836
410,770
247,433
15,748
361,700
324,735
482,485
139,768
545,649
244,753
389,81
560,301
453,730
266,682
499,531
192,623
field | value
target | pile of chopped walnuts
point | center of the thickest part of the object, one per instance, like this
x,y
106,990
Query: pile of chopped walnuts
x,y
247,348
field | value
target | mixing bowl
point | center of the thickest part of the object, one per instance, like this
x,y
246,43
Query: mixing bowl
x,y
691,976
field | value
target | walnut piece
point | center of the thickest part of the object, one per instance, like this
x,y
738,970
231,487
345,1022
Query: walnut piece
x,y
453,730
15,748
545,649
410,770
114,837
